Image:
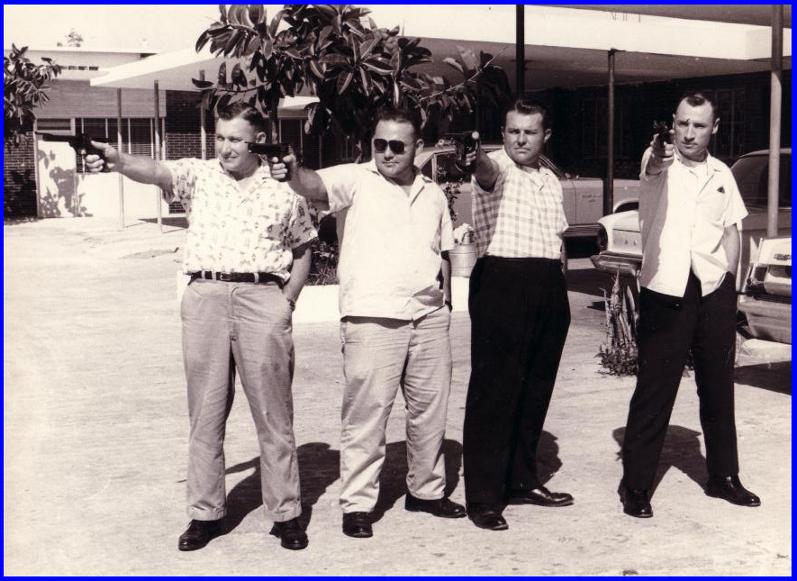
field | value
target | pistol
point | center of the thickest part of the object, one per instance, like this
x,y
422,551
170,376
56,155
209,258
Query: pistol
x,y
270,150
663,131
465,142
81,143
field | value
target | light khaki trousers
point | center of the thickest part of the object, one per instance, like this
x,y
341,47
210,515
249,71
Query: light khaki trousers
x,y
243,326
379,356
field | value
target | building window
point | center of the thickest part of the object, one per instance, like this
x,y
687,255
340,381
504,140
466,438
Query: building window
x,y
137,133
54,125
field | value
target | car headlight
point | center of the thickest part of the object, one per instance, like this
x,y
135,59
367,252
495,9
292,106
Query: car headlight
x,y
603,238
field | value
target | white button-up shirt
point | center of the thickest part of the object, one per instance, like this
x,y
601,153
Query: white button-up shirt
x,y
390,250
231,229
523,215
683,213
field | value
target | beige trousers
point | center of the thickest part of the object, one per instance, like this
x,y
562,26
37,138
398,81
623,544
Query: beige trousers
x,y
244,327
379,356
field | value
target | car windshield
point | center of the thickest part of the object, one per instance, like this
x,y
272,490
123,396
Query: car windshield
x,y
752,177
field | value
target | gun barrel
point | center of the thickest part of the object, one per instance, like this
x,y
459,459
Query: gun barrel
x,y
270,149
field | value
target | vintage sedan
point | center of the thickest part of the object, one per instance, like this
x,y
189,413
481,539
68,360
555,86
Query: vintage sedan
x,y
583,197
620,244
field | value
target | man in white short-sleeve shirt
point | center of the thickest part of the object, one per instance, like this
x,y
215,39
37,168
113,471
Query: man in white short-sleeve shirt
x,y
689,209
394,279
247,250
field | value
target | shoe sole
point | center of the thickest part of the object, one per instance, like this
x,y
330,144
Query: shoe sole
x,y
638,515
358,535
502,527
181,548
463,515
712,495
520,501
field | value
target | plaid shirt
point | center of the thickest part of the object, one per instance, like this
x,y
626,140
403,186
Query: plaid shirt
x,y
523,215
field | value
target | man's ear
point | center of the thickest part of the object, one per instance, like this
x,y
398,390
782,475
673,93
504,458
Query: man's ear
x,y
716,126
546,136
418,146
260,137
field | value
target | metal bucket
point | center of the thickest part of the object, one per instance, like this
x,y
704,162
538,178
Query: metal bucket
x,y
463,257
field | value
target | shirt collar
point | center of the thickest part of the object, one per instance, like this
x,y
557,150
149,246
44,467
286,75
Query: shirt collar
x,y
262,172
417,185
713,164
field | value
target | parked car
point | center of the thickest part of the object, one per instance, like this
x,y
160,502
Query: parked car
x,y
766,291
583,196
620,243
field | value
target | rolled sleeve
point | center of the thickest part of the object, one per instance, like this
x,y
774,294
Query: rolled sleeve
x,y
340,182
643,175
446,230
300,228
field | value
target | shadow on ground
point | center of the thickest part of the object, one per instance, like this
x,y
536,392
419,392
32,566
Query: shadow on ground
x,y
176,221
681,450
771,376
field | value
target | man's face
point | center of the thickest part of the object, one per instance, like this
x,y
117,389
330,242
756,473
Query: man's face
x,y
694,127
390,163
232,150
524,137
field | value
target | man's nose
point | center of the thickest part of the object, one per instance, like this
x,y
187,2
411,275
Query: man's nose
x,y
689,135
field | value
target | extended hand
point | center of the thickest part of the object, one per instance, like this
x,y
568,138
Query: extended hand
x,y
108,156
283,169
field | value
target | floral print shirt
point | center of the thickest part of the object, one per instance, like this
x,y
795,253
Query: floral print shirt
x,y
231,228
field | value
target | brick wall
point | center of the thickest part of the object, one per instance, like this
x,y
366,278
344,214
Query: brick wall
x,y
182,126
19,179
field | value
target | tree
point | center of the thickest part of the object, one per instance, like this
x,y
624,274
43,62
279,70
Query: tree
x,y
74,38
25,85
351,65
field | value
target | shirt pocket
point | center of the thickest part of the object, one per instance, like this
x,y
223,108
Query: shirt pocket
x,y
712,204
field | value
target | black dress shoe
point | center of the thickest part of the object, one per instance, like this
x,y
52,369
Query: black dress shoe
x,y
540,496
635,502
487,517
291,534
198,534
729,488
442,507
357,525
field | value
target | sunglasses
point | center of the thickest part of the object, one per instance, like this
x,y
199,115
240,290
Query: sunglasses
x,y
397,147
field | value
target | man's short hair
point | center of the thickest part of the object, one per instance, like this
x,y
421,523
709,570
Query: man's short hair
x,y
245,111
400,115
529,107
698,98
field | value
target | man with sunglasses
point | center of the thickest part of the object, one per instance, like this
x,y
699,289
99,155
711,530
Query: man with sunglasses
x,y
395,314
519,319
247,251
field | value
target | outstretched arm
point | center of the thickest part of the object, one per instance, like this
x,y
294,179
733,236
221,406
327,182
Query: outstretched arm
x,y
305,182
138,168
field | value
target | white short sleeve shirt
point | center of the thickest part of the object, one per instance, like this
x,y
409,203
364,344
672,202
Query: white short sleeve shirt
x,y
683,213
390,252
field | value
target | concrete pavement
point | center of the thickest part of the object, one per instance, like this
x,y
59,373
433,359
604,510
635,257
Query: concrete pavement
x,y
96,437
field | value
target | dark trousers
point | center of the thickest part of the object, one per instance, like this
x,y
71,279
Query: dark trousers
x,y
519,319
668,327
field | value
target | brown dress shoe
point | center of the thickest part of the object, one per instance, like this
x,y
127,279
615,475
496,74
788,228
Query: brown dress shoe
x,y
291,534
442,507
487,517
357,525
729,488
540,496
198,534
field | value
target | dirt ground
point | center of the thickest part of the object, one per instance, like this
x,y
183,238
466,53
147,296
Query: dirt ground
x,y
96,438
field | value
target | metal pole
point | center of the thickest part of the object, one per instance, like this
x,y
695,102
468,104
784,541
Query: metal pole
x,y
202,120
119,146
774,121
520,49
157,156
608,199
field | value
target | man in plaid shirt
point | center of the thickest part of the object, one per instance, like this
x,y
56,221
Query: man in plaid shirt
x,y
519,319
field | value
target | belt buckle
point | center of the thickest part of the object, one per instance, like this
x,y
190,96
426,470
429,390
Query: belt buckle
x,y
223,276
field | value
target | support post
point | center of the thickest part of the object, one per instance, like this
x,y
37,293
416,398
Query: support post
x,y
608,198
776,97
157,135
203,135
520,49
119,148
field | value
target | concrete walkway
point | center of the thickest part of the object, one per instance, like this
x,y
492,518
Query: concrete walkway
x,y
96,429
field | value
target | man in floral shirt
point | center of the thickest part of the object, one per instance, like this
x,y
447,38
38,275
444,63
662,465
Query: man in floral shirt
x,y
247,251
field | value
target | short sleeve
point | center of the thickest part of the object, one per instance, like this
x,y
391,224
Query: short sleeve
x,y
643,176
300,229
340,182
736,210
184,176
504,165
446,228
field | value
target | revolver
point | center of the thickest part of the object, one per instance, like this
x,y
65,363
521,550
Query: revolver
x,y
465,142
663,131
81,143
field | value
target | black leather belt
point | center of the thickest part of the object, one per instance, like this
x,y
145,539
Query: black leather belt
x,y
255,277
